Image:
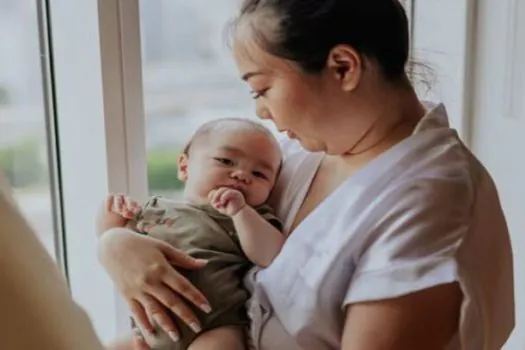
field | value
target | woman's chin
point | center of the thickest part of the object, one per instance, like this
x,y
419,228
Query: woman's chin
x,y
311,146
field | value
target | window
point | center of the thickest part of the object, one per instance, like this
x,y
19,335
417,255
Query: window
x,y
177,66
189,78
24,118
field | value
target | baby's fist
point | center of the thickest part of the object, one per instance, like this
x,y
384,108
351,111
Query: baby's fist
x,y
227,200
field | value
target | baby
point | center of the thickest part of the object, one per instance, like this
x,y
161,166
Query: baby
x,y
229,168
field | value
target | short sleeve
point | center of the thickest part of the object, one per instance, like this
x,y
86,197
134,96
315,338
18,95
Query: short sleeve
x,y
414,240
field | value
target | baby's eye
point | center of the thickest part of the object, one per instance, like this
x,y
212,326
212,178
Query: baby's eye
x,y
224,161
260,175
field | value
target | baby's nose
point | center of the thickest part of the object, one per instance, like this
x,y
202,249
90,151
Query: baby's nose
x,y
241,175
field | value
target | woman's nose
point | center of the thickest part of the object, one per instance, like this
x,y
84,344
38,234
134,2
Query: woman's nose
x,y
263,113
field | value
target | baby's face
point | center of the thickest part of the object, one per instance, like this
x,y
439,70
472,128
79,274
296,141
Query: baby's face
x,y
244,159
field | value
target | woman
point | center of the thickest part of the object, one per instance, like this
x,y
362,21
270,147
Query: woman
x,y
396,239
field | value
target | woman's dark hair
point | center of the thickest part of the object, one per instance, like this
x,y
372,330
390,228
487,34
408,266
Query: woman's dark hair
x,y
304,31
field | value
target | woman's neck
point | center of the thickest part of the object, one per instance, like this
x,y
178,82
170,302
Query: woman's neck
x,y
395,118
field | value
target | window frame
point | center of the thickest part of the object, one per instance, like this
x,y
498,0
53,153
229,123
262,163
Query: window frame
x,y
100,135
46,65
452,61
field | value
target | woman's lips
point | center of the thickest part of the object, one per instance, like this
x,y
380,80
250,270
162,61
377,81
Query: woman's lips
x,y
288,133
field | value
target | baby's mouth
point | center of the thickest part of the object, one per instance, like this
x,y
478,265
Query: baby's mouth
x,y
239,188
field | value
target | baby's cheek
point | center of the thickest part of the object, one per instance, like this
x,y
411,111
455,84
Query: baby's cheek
x,y
203,188
259,195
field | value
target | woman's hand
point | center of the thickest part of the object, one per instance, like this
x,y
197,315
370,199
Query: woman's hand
x,y
141,268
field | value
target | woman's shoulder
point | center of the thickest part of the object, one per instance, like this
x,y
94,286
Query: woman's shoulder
x,y
295,175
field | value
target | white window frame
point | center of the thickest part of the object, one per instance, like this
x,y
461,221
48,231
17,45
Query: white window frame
x,y
98,93
448,50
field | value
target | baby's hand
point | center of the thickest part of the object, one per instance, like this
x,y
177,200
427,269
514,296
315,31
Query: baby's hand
x,y
123,206
115,212
227,200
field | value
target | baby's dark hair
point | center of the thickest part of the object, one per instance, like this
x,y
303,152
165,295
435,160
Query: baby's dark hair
x,y
305,31
214,125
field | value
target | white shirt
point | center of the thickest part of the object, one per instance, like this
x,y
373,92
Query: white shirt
x,y
37,309
423,213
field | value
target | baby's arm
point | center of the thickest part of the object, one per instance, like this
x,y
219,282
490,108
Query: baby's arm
x,y
260,240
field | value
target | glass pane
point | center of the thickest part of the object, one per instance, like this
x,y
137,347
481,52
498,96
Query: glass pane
x,y
23,152
189,78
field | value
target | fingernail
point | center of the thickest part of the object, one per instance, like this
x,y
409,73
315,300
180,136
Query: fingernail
x,y
201,261
206,308
137,333
174,336
195,327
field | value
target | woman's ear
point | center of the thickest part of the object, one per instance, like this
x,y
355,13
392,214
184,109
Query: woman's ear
x,y
346,65
183,167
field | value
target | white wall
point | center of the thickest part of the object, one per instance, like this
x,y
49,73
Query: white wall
x,y
498,127
477,51
440,42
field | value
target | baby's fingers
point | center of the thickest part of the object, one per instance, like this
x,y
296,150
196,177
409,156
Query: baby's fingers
x,y
131,208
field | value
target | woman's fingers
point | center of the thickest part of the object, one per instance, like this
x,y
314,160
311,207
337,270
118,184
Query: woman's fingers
x,y
183,287
140,315
179,258
177,306
179,283
159,314
138,341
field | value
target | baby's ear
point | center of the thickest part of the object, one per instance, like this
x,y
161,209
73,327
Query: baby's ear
x,y
183,167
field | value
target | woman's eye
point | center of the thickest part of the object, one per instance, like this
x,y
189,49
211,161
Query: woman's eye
x,y
257,94
260,175
224,161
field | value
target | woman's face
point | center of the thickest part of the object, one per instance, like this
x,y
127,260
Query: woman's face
x,y
310,108
294,101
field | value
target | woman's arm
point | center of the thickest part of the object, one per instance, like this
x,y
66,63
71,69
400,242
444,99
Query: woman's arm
x,y
37,309
422,320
